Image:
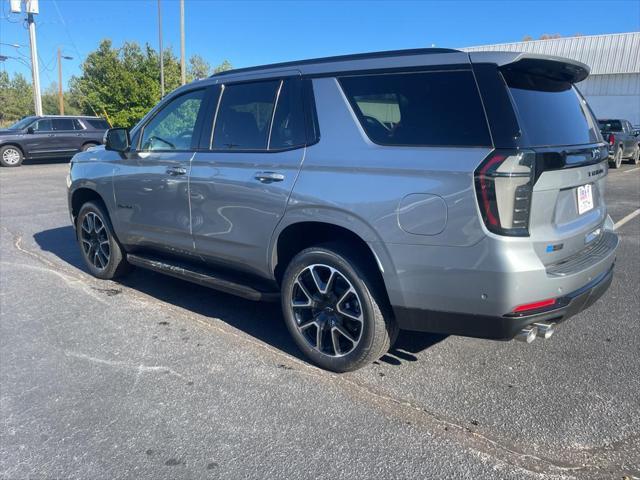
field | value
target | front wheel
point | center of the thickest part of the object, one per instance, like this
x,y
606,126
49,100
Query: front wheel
x,y
10,156
335,309
99,247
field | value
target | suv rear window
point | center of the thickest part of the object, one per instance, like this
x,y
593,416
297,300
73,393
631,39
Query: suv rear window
x,y
550,112
419,109
610,125
97,123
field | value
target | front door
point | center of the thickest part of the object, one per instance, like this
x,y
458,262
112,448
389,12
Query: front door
x,y
151,183
242,178
42,141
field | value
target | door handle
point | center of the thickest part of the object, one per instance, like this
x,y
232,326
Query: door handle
x,y
175,171
268,177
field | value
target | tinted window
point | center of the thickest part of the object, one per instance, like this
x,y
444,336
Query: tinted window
x,y
244,116
610,125
288,129
435,108
550,112
172,128
63,124
97,123
77,124
43,125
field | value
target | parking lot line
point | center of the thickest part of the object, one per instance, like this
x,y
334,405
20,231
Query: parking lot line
x,y
626,219
631,170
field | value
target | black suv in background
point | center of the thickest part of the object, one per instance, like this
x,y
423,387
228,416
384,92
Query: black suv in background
x,y
48,137
622,139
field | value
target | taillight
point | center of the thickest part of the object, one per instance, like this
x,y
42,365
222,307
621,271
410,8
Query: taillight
x,y
504,184
612,139
535,306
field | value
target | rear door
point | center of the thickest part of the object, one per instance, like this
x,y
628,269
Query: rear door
x,y
243,174
68,140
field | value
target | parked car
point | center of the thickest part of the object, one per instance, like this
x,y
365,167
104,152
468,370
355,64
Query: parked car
x,y
623,141
430,190
49,137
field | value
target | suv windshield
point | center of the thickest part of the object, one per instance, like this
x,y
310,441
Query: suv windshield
x,y
20,124
550,112
610,125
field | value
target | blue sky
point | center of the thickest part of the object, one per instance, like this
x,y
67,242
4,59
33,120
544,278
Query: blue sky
x,y
250,33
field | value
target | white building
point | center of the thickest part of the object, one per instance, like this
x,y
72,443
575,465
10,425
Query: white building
x,y
613,87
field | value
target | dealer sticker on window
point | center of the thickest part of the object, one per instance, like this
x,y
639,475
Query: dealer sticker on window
x,y
585,199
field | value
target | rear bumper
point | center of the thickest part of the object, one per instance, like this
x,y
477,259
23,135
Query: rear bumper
x,y
501,327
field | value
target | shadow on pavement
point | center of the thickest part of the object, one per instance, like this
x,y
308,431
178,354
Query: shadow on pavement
x,y
261,320
45,161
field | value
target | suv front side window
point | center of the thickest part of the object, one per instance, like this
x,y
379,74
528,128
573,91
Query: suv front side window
x,y
172,128
43,125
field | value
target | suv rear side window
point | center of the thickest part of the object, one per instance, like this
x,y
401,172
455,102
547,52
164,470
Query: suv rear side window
x,y
244,116
550,112
97,123
288,129
419,109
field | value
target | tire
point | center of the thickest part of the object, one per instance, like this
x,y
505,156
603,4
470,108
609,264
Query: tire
x,y
617,159
87,146
340,320
635,158
11,156
99,248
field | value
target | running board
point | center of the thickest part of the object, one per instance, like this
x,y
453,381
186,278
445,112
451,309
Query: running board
x,y
203,276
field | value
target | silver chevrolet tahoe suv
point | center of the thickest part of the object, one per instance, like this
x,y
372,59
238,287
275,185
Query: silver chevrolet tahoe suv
x,y
428,190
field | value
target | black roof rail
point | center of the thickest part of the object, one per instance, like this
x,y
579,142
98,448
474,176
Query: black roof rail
x,y
341,58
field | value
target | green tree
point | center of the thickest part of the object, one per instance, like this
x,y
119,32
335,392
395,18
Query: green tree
x,y
16,98
51,103
223,67
124,83
198,68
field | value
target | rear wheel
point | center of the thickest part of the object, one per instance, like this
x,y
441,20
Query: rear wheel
x,y
101,251
617,158
10,156
635,158
87,146
335,310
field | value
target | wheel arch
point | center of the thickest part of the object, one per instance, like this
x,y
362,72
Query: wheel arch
x,y
295,235
14,144
82,195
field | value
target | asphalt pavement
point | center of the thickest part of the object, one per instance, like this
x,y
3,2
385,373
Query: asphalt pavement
x,y
153,377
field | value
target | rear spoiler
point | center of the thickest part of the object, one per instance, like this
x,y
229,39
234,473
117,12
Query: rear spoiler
x,y
555,68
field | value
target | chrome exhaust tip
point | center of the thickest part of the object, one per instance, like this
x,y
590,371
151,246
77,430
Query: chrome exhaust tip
x,y
545,330
527,334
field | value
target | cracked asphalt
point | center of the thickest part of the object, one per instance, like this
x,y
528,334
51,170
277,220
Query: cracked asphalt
x,y
161,379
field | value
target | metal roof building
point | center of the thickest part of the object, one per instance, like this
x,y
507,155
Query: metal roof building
x,y
613,87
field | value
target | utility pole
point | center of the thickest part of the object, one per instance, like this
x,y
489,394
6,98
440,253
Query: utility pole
x,y
32,7
60,97
183,73
161,54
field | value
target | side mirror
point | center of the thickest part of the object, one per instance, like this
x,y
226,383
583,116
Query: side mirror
x,y
30,130
117,139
